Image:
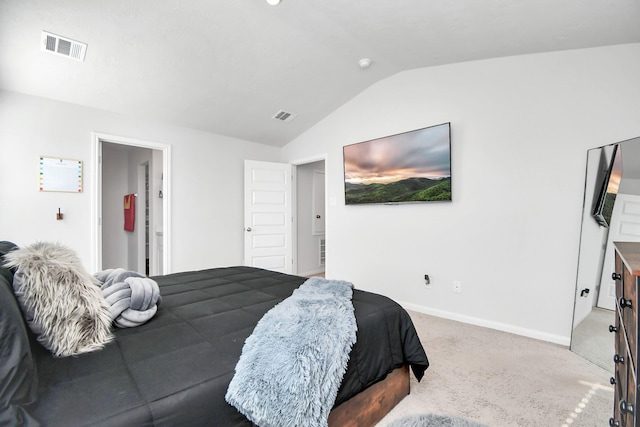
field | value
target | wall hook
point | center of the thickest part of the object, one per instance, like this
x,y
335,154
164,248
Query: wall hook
x,y
59,215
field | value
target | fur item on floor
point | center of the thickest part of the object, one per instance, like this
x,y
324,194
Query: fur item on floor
x,y
292,364
61,302
433,420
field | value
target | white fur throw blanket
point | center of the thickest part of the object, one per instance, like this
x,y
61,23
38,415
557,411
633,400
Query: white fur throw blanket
x,y
61,302
132,297
292,365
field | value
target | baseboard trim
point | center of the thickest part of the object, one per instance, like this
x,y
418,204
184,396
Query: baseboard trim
x,y
530,333
310,273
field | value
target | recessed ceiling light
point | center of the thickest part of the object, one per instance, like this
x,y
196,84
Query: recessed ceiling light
x,y
364,63
274,2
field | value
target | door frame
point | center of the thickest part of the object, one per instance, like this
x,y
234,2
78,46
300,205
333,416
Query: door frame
x,y
295,164
141,204
621,219
96,195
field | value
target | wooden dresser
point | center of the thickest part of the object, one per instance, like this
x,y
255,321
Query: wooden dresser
x,y
625,381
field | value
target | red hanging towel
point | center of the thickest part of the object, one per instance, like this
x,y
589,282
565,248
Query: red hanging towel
x,y
129,211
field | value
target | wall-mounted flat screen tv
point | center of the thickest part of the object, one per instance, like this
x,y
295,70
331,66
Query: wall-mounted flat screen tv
x,y
607,183
413,166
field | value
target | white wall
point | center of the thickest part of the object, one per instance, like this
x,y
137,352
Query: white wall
x,y
207,179
593,239
521,127
630,186
115,183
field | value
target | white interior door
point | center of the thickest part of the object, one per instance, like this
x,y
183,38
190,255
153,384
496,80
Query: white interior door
x,y
268,215
625,227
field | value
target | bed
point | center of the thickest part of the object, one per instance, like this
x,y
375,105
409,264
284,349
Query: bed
x,y
174,370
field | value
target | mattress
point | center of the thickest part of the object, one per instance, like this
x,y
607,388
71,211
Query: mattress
x,y
175,369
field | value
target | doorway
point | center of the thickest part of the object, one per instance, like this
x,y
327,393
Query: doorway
x,y
131,180
283,236
310,219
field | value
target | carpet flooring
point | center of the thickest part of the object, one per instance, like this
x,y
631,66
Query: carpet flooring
x,y
592,339
501,379
433,420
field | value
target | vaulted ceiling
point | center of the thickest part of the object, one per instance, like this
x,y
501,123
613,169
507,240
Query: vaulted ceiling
x,y
228,66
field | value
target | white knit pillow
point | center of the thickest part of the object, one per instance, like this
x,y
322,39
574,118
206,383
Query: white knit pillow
x,y
61,302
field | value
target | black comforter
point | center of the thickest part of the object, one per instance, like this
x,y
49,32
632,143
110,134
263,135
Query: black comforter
x,y
175,369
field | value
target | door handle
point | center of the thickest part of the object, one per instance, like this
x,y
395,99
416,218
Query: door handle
x,y
248,228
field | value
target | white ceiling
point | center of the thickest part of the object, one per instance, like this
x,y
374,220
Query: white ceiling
x,y
227,66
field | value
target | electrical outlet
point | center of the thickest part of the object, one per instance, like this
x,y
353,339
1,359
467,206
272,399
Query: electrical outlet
x,y
457,286
427,281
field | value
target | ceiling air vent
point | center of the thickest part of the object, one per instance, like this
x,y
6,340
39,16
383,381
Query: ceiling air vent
x,y
284,116
63,46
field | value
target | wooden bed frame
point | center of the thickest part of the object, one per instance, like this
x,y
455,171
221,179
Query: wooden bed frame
x,y
370,406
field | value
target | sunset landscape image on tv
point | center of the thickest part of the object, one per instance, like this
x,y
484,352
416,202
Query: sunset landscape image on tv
x,y
414,166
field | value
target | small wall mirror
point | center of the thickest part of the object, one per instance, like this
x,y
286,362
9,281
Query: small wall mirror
x,y
611,213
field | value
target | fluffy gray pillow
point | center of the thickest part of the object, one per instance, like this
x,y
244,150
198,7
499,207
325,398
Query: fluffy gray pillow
x,y
61,302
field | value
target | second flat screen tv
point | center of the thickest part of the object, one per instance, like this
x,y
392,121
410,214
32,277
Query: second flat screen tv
x,y
413,166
